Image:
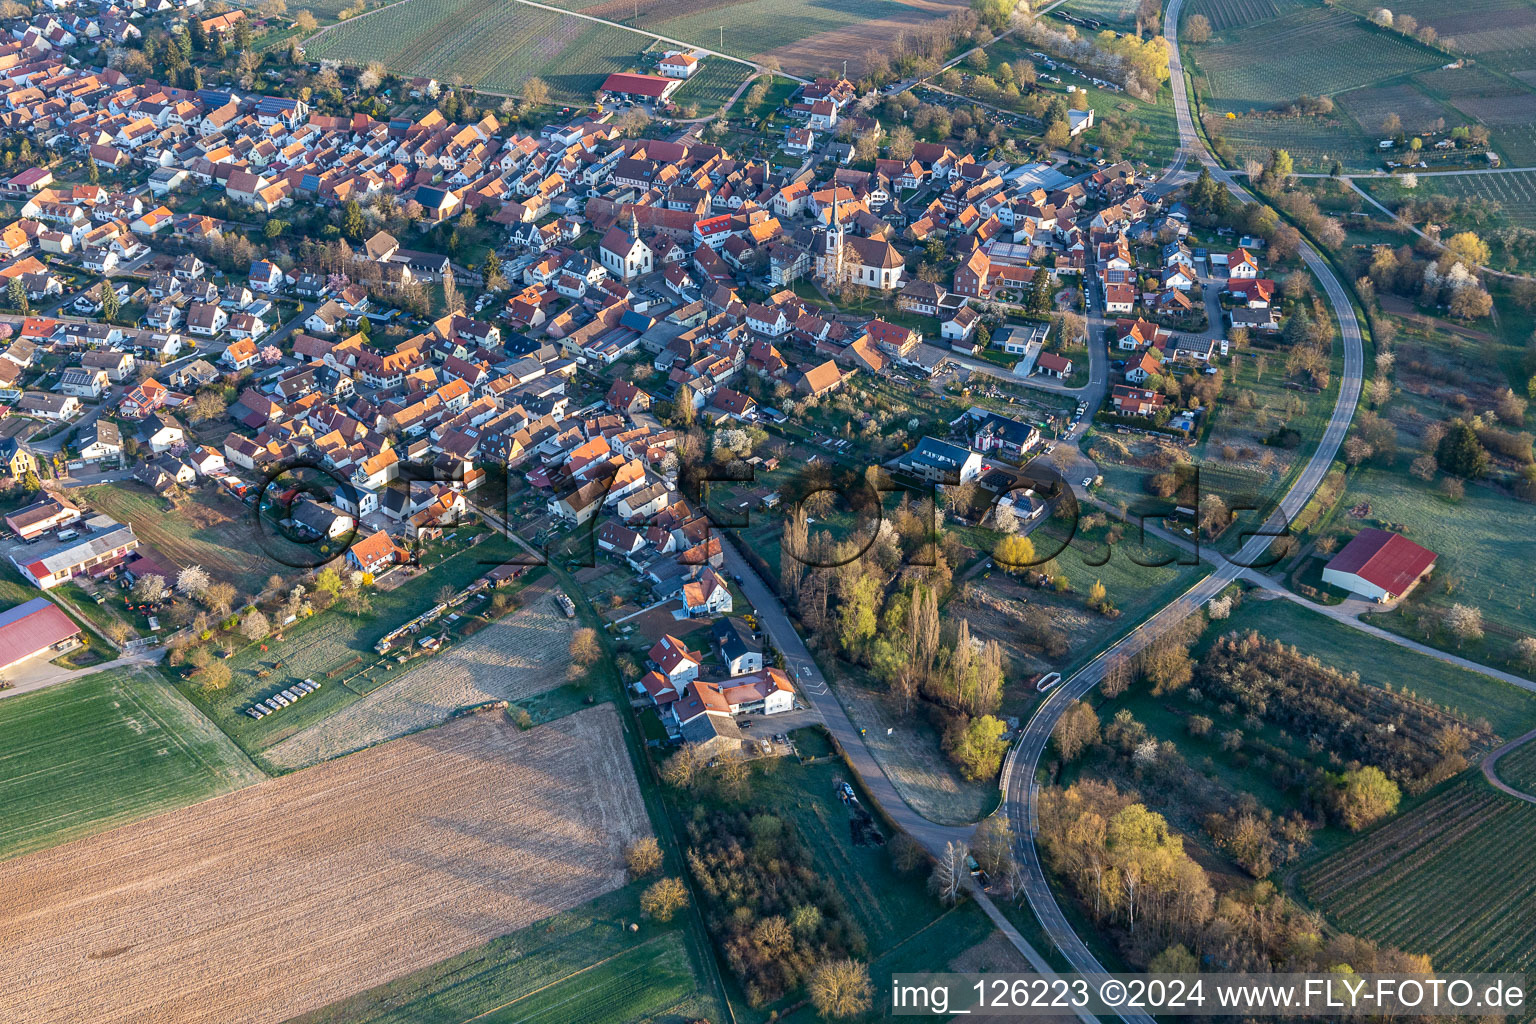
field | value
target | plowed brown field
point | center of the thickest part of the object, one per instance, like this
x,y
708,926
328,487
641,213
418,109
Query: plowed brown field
x,y
293,893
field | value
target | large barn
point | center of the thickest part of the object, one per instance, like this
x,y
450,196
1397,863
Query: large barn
x,y
1379,565
36,627
642,88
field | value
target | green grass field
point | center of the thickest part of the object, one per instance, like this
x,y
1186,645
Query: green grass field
x,y
1489,561
97,752
330,641
581,966
1118,13
1454,878
495,47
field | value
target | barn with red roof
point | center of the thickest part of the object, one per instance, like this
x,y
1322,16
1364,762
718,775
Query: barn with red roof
x,y
34,627
652,88
1379,565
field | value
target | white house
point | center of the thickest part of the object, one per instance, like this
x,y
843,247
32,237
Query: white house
x,y
678,65
1242,264
674,660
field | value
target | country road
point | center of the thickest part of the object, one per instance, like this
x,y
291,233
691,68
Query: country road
x,y
1024,759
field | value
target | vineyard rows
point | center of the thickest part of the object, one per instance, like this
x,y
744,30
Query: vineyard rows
x,y
1454,878
496,47
1327,52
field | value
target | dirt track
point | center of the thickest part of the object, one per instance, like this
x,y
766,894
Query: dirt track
x,y
296,892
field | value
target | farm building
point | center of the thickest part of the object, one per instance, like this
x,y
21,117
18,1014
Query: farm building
x,y
41,516
1380,565
642,88
106,544
35,627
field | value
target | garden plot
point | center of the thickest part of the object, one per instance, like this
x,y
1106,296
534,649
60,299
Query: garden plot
x,y
291,894
517,656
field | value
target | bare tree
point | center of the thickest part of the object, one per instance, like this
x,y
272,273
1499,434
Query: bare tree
x,y
149,587
643,857
1117,676
585,648
841,989
255,625
949,873
664,899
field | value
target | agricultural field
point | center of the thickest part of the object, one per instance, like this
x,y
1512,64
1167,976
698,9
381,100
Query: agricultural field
x,y
98,752
580,966
492,47
1497,32
1309,50
1454,878
1518,768
1418,111
1515,192
392,860
1509,711
1499,101
210,529
517,656
1314,142
711,85
1225,14
331,647
805,36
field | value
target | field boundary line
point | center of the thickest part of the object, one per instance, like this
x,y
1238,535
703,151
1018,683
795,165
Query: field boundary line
x,y
138,702
552,984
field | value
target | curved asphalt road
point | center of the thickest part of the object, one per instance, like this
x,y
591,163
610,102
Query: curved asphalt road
x,y
1023,761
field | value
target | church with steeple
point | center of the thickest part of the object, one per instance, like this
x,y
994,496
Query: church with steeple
x,y
843,259
623,253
